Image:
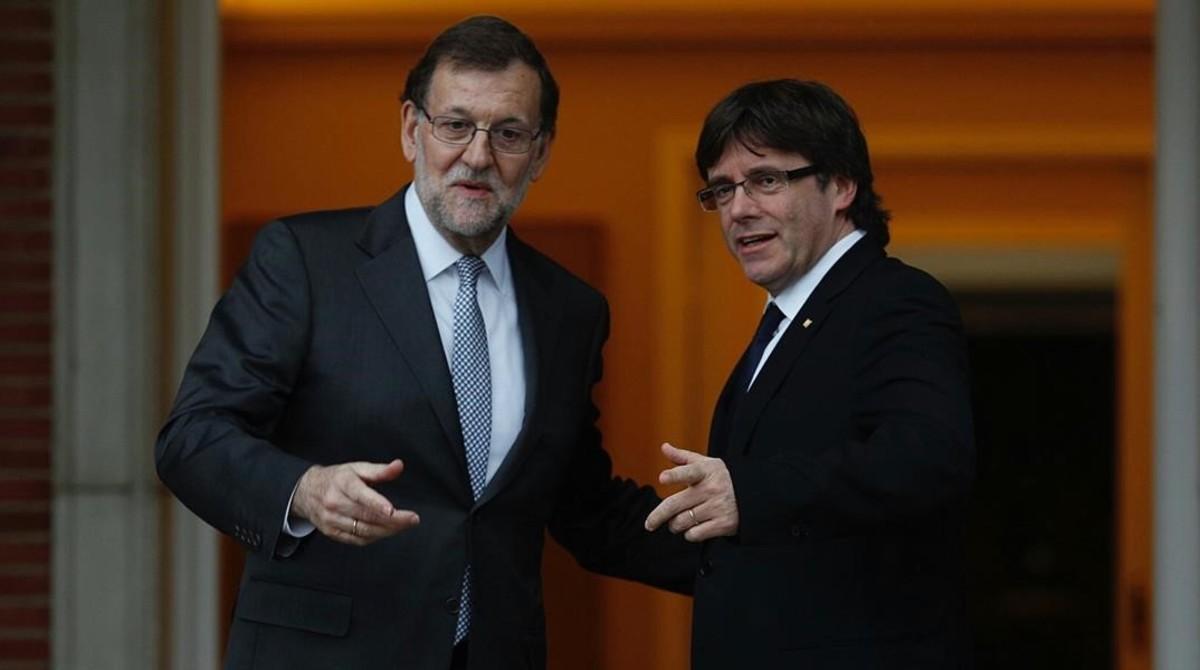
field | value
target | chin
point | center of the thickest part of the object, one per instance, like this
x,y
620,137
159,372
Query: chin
x,y
473,221
758,275
477,225
474,228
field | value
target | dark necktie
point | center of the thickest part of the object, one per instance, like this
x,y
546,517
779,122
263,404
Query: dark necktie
x,y
766,330
472,376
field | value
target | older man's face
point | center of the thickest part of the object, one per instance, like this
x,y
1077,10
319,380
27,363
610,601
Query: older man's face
x,y
471,191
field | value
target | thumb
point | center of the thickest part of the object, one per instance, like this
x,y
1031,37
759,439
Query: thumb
x,y
678,456
375,473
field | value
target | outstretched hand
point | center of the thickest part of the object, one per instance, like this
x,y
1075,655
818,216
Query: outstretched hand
x,y
340,501
707,508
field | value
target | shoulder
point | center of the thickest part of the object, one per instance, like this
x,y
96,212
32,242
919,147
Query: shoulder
x,y
892,278
310,236
326,224
898,299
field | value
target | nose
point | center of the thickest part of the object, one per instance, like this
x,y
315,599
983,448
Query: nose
x,y
743,204
478,154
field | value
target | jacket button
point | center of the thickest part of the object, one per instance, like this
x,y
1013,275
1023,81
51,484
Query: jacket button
x,y
798,530
706,568
451,605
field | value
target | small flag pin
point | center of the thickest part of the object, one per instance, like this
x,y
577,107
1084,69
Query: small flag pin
x,y
807,323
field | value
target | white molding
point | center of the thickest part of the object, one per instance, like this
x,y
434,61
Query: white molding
x,y
1177,339
194,557
105,510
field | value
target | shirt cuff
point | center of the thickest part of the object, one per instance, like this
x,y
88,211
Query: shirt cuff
x,y
295,526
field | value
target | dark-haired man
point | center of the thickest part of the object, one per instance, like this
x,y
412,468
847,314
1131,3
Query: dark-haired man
x,y
391,405
841,452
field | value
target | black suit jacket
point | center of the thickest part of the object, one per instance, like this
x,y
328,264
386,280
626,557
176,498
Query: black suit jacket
x,y
325,350
851,458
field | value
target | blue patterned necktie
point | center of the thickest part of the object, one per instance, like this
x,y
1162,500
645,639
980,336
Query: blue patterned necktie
x,y
472,375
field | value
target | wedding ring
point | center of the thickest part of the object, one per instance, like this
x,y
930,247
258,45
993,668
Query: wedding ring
x,y
692,512
354,528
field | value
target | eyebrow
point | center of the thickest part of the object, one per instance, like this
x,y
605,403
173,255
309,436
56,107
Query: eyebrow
x,y
463,112
757,169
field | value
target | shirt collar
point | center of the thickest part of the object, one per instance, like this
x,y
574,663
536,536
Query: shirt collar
x,y
792,298
437,255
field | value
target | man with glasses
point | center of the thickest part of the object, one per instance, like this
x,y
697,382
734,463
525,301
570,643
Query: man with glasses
x,y
841,453
391,405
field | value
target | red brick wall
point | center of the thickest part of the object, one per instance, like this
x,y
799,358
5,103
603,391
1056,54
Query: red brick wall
x,y
26,136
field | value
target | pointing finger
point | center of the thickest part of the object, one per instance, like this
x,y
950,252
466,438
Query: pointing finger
x,y
684,474
376,473
679,456
668,508
374,505
400,521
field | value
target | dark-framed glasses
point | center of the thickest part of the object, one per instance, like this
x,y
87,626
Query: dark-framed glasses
x,y
458,131
760,182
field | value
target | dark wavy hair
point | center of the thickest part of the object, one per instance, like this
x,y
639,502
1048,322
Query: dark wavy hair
x,y
486,43
804,117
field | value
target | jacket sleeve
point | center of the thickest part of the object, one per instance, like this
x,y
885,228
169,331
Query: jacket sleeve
x,y
600,518
910,449
214,451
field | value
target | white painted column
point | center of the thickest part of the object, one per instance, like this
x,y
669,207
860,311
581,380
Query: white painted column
x,y
194,615
1177,339
105,514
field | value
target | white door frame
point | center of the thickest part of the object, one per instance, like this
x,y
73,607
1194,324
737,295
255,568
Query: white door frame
x,y
135,262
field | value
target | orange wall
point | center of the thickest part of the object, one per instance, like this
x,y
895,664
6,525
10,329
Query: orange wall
x,y
316,126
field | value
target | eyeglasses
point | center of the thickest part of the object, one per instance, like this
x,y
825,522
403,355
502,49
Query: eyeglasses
x,y
763,182
459,132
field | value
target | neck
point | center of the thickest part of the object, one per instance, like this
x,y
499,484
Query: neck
x,y
471,245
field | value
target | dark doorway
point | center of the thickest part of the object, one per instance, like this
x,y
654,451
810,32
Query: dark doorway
x,y
1040,543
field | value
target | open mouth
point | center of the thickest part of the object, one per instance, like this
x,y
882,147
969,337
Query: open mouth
x,y
754,242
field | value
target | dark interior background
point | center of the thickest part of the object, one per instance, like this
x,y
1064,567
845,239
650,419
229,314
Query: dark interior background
x,y
1040,542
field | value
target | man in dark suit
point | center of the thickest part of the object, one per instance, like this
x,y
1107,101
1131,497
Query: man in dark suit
x,y
391,405
840,453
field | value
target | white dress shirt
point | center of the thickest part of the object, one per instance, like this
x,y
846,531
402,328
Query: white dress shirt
x,y
791,299
498,303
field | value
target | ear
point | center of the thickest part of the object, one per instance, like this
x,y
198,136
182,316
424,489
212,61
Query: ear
x,y
410,118
540,156
843,195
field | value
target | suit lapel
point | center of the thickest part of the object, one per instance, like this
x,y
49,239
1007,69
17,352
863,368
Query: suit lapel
x,y
395,286
538,316
814,313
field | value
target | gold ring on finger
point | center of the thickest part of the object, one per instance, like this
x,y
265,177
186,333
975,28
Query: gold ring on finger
x,y
692,513
354,528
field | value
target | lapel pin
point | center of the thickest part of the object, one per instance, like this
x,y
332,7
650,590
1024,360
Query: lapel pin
x,y
807,323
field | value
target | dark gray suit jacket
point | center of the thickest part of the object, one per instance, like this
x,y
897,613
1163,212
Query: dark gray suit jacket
x,y
325,350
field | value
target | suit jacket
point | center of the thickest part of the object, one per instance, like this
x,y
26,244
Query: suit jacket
x,y
325,350
851,458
